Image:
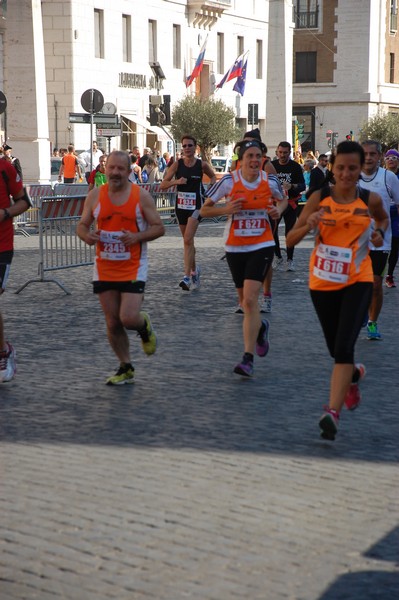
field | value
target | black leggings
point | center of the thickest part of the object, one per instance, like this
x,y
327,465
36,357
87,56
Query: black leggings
x,y
393,256
341,315
289,216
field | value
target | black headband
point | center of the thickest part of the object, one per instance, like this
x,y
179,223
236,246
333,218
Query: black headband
x,y
244,145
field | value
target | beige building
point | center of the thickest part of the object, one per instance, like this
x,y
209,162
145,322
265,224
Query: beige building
x,y
55,50
330,63
345,66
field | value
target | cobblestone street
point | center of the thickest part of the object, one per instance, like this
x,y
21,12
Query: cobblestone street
x,y
191,483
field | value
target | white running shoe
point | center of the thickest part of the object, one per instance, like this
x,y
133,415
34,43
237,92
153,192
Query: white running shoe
x,y
277,263
290,265
7,364
266,304
185,283
196,278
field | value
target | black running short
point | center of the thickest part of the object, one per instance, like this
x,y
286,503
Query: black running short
x,y
183,215
128,287
250,265
379,259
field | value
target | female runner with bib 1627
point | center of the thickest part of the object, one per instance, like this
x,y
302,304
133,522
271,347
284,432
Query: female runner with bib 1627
x,y
340,271
252,196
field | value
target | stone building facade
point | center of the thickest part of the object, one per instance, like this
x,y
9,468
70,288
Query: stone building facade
x,y
344,67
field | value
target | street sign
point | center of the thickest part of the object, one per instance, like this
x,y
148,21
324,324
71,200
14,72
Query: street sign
x,y
108,132
92,101
100,119
3,103
253,114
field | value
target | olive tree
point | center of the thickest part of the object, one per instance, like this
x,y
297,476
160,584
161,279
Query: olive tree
x,y
209,121
382,128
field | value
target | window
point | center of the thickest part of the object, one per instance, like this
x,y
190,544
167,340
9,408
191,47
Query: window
x,y
305,67
152,41
176,47
259,59
240,45
99,33
393,16
306,14
392,68
220,53
127,37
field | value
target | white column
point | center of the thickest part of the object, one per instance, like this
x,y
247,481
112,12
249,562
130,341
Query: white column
x,y
279,75
25,89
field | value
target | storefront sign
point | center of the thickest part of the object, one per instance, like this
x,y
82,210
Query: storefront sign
x,y
132,80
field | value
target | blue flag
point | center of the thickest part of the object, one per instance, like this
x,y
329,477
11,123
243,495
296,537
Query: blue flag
x,y
239,85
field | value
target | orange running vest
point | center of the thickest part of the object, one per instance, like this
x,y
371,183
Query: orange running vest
x,y
341,253
251,225
115,261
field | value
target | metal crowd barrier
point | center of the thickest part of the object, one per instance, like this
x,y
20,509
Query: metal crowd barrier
x,y
59,245
164,201
28,223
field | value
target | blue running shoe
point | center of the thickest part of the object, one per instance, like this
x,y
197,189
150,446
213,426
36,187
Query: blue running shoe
x,y
185,283
372,331
262,343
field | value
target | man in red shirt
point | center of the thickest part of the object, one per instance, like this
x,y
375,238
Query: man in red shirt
x,y
10,185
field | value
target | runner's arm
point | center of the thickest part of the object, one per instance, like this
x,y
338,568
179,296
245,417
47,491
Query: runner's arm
x,y
381,219
83,228
20,205
167,182
308,220
207,169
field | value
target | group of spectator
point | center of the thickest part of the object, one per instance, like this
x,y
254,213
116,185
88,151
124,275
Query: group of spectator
x,y
149,167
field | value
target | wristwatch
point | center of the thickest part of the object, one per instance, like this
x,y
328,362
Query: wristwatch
x,y
6,214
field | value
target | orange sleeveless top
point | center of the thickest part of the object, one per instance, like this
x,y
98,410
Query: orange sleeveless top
x,y
251,225
115,261
341,253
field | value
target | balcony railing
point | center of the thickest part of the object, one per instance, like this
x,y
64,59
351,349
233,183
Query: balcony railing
x,y
307,19
209,4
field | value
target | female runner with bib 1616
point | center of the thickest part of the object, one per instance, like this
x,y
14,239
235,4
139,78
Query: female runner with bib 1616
x,y
340,271
252,197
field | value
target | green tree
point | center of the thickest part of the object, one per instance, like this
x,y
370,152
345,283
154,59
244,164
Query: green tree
x,y
383,128
210,121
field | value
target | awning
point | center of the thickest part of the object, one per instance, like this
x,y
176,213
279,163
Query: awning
x,y
159,132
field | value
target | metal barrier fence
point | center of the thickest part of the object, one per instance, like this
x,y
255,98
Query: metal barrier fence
x,y
59,245
28,223
164,201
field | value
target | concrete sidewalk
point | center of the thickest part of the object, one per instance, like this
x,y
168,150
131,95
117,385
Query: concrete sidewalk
x,y
192,483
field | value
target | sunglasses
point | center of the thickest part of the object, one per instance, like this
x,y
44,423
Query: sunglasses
x,y
187,145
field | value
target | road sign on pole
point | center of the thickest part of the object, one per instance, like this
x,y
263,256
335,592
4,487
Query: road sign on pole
x,y
92,100
108,132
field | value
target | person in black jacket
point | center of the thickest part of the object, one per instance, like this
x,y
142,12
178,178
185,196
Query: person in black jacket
x,y
318,175
12,159
291,178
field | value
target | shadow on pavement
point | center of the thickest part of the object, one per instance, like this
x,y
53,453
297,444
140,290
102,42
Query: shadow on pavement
x,y
370,585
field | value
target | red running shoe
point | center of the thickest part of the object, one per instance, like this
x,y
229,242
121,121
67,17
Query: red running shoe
x,y
353,396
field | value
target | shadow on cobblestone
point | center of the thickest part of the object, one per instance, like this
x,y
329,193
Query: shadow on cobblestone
x,y
186,395
370,584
